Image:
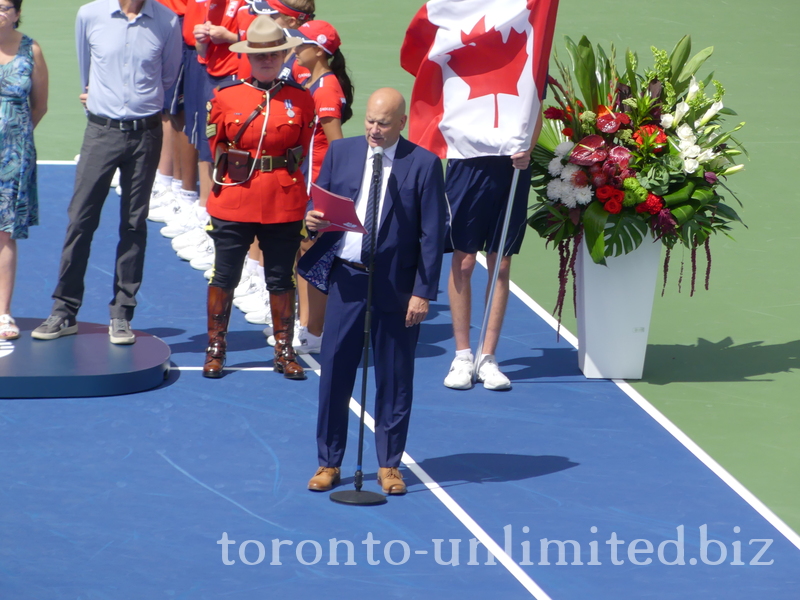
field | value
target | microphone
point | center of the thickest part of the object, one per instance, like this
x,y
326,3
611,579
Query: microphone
x,y
377,150
377,162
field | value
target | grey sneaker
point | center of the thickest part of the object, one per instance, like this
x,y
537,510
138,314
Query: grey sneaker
x,y
54,327
120,332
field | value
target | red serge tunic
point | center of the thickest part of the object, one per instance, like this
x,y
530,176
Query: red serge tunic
x,y
267,197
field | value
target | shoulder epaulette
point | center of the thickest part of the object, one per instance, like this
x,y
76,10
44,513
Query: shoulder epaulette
x,y
230,83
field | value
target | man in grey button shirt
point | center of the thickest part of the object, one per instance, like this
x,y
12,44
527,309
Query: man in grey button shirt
x,y
129,53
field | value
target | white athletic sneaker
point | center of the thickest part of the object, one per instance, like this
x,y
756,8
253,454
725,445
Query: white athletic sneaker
x,y
250,284
204,259
202,248
193,237
114,179
260,317
489,373
209,273
306,343
168,212
254,302
460,375
187,221
271,338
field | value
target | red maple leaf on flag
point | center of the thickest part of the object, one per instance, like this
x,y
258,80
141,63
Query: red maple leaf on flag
x,y
488,64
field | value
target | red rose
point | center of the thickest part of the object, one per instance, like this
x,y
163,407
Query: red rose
x,y
613,206
654,133
604,192
567,131
618,196
556,114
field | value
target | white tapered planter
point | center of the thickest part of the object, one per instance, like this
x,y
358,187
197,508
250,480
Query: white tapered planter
x,y
614,305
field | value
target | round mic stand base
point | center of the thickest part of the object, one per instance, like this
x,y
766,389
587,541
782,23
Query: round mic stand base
x,y
358,498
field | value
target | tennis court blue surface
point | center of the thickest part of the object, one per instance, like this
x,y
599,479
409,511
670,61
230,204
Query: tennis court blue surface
x,y
129,497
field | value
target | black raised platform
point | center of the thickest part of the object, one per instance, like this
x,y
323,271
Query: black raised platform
x,y
86,364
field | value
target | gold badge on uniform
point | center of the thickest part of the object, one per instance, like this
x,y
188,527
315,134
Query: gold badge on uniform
x,y
208,106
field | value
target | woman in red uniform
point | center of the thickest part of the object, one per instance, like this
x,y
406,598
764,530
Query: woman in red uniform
x,y
258,131
332,92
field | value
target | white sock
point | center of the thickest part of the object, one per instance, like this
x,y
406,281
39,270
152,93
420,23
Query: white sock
x,y
187,196
464,354
176,185
202,215
164,180
483,357
251,265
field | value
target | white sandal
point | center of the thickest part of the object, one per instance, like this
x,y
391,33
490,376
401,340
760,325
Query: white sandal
x,y
8,328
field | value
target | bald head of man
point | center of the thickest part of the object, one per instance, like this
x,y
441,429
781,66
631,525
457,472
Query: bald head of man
x,y
385,118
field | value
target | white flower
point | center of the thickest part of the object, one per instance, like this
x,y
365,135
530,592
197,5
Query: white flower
x,y
690,165
570,196
568,171
555,167
706,155
694,87
563,149
555,189
583,195
688,149
732,170
710,113
684,132
681,108
667,120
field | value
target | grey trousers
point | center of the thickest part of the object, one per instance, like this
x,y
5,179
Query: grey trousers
x,y
136,154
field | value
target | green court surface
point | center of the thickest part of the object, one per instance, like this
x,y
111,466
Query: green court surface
x,y
721,364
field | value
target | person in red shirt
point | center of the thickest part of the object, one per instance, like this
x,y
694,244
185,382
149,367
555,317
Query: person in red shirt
x,y
332,91
262,127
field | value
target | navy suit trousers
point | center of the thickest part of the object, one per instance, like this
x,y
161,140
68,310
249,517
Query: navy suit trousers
x,y
393,346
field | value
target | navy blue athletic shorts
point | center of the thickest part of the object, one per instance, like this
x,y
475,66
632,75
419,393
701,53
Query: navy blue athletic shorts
x,y
477,191
194,78
173,97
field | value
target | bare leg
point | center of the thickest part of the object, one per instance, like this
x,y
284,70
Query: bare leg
x,y
205,181
459,288
188,157
311,302
499,303
165,162
8,268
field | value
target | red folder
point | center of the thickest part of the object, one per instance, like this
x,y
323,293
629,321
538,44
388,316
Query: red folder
x,y
339,210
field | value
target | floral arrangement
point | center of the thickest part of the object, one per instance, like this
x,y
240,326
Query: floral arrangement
x,y
625,153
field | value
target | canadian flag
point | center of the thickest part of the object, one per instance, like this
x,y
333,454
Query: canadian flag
x,y
481,69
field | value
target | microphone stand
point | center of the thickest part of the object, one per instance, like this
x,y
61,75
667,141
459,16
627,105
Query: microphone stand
x,y
358,496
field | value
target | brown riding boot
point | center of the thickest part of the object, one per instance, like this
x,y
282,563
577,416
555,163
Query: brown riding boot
x,y
282,306
219,311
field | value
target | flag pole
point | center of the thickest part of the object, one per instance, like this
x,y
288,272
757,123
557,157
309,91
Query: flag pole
x,y
496,271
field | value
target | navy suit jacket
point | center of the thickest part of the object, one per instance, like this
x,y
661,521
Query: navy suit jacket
x,y
410,243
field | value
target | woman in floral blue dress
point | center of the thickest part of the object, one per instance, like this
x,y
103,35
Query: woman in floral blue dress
x,y
23,102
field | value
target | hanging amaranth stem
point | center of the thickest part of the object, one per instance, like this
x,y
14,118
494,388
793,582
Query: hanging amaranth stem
x,y
666,270
572,260
708,262
694,269
563,266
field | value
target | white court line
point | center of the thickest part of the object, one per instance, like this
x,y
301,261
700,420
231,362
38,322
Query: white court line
x,y
451,505
269,369
56,162
673,429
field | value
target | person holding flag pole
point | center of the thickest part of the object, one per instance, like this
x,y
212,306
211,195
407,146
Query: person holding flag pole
x,y
481,70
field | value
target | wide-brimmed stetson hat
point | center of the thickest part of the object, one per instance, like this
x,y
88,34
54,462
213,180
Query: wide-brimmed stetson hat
x,y
264,35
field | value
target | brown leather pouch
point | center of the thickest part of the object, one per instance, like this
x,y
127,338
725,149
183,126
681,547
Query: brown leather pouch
x,y
238,163
294,156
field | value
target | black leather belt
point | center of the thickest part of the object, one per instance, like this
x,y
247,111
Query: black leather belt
x,y
355,265
150,122
267,164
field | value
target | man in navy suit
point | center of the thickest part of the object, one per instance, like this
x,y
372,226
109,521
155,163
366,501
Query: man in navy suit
x,y
407,263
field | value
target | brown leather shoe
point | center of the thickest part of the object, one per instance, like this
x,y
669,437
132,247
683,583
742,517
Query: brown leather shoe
x,y
324,479
391,481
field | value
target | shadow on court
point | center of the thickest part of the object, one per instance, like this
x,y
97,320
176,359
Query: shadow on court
x,y
721,361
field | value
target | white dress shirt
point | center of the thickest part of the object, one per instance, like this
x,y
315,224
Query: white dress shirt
x,y
350,248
